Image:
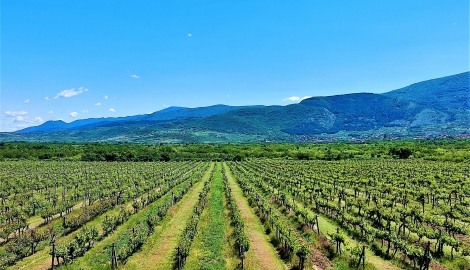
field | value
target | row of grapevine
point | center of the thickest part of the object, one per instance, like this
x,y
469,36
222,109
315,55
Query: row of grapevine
x,y
129,242
378,211
190,230
19,245
241,238
291,245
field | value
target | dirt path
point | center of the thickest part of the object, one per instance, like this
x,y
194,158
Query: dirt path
x,y
41,259
328,227
158,252
207,249
262,254
36,221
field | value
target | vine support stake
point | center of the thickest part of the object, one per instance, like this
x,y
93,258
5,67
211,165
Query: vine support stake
x,y
318,225
114,264
179,259
242,255
53,254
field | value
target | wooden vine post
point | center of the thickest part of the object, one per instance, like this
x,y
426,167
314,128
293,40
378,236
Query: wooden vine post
x,y
179,258
33,234
53,252
318,225
362,258
242,255
427,257
114,263
302,261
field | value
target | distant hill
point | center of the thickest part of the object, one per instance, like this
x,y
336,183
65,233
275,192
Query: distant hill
x,y
165,115
437,107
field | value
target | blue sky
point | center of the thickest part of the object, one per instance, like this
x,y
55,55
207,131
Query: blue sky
x,y
118,58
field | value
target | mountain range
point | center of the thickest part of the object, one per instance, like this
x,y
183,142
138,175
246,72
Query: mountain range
x,y
437,107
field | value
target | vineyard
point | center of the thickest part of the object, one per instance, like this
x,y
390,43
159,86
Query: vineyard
x,y
254,214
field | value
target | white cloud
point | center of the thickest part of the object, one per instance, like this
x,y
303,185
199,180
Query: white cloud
x,y
50,112
455,23
84,111
26,101
71,92
135,76
295,98
73,114
98,104
190,35
25,120
14,113
105,97
46,98
112,110
292,98
19,119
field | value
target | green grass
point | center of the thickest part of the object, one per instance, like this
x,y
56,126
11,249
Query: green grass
x,y
43,258
159,250
261,255
207,249
98,256
327,226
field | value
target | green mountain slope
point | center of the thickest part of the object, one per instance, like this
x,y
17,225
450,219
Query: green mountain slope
x,y
437,107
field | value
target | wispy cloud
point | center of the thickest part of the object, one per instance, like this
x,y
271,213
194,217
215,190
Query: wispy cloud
x,y
190,35
84,111
19,119
25,119
46,98
112,110
14,113
73,114
295,98
135,76
105,97
26,101
292,98
98,104
71,92
51,112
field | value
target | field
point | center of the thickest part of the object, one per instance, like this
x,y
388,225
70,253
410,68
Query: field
x,y
256,214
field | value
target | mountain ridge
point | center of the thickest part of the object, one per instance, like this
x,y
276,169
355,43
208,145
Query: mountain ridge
x,y
433,107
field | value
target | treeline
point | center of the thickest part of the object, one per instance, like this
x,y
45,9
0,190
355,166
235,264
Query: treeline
x,y
440,150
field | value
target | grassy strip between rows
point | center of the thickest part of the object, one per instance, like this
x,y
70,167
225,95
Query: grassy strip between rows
x,y
207,248
39,259
262,254
328,227
99,256
238,238
159,250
